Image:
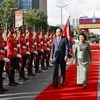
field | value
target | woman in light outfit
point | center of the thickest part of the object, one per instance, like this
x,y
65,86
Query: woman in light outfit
x,y
83,58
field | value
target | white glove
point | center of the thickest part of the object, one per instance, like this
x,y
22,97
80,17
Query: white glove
x,y
48,42
2,51
28,53
42,50
6,59
35,43
24,47
18,45
27,43
6,48
41,42
48,49
19,56
35,52
15,49
45,44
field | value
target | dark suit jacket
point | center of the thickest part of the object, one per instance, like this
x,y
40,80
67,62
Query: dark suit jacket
x,y
61,50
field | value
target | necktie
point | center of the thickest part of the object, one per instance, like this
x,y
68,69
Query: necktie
x,y
58,41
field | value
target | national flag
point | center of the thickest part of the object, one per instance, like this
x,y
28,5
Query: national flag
x,y
67,33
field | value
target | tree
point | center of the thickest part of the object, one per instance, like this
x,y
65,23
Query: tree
x,y
52,28
31,18
35,18
7,9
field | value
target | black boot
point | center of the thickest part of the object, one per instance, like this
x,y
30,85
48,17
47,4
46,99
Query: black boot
x,y
1,92
11,82
1,86
37,69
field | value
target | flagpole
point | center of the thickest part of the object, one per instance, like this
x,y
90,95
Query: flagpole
x,y
68,18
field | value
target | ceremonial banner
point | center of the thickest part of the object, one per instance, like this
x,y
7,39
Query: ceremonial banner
x,y
18,18
91,26
92,23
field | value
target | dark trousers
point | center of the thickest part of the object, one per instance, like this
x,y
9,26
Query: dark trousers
x,y
36,62
1,71
14,64
46,57
62,65
22,72
39,59
29,68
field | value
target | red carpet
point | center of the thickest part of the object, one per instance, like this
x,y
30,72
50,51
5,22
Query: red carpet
x,y
95,46
72,91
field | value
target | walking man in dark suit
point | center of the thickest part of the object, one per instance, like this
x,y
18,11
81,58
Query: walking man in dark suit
x,y
59,55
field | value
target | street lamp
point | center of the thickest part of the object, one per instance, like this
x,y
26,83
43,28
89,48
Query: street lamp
x,y
61,11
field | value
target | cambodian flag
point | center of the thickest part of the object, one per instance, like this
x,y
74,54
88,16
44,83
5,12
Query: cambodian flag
x,y
67,33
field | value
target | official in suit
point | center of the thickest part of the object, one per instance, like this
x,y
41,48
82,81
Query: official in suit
x,y
58,56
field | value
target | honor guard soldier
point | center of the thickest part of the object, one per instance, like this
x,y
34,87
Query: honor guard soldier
x,y
46,50
3,59
23,52
42,53
31,49
50,40
13,55
37,52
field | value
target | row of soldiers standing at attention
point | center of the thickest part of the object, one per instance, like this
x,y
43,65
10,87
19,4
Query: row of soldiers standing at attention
x,y
20,50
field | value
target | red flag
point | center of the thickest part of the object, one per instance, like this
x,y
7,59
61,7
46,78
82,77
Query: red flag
x,y
67,33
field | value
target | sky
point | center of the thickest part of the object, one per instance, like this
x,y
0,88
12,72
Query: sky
x,y
75,8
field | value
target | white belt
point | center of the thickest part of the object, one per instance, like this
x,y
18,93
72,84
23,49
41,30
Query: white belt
x,y
24,47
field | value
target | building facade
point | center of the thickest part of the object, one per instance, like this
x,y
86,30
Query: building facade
x,y
33,4
25,4
1,1
43,5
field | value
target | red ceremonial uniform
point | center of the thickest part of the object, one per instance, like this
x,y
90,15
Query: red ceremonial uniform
x,y
42,54
22,42
46,51
12,54
45,44
37,43
50,40
2,61
30,41
2,44
42,43
12,45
